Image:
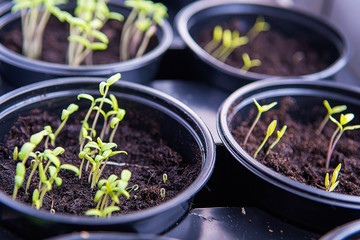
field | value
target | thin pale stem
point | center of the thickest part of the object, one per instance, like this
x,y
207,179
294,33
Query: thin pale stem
x,y
252,128
329,153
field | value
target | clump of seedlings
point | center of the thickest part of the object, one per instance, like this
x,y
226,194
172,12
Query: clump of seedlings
x,y
110,190
140,26
47,163
35,15
331,185
224,42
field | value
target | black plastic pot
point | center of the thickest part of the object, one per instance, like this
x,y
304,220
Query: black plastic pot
x,y
316,31
348,231
181,128
19,70
303,205
109,235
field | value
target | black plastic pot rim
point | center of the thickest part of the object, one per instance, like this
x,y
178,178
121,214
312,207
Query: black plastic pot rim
x,y
342,232
64,69
188,193
261,170
184,16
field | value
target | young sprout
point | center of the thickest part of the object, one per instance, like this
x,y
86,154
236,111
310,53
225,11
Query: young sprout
x,y
140,26
269,132
34,18
162,193
64,117
280,134
330,186
330,111
248,63
230,41
344,119
259,26
165,178
110,190
261,109
216,40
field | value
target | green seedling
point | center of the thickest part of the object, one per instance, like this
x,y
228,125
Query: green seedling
x,y
104,152
259,26
140,26
261,109
216,39
344,119
162,192
64,117
26,151
330,111
248,63
35,15
110,190
165,178
280,134
230,41
47,183
269,132
330,186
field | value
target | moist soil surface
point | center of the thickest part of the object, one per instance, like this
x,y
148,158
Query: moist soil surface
x,y
301,152
55,43
280,55
148,159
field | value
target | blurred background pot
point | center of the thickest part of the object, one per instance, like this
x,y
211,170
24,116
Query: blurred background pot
x,y
316,32
19,70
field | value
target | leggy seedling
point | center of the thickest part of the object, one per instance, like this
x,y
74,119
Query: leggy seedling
x,y
344,119
330,186
330,111
140,26
248,63
35,15
261,109
110,190
64,117
269,132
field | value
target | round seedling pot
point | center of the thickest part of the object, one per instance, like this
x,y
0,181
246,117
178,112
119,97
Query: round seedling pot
x,y
19,70
348,231
316,32
306,206
193,141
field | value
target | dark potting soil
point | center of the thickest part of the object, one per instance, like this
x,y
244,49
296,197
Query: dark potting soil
x,y
55,42
301,152
280,55
149,157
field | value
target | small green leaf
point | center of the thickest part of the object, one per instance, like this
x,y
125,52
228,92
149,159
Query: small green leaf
x,y
36,138
333,186
53,171
20,169
114,121
271,128
42,174
110,209
101,36
116,16
344,119
108,146
339,109
327,180
125,175
85,96
102,86
16,153
59,150
94,212
58,181
98,46
116,77
227,38
268,107
35,196
19,181
99,158
217,34
71,168
98,195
